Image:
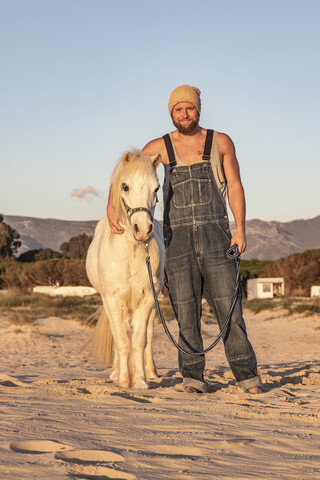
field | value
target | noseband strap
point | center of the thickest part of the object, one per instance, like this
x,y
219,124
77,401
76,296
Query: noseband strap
x,y
131,211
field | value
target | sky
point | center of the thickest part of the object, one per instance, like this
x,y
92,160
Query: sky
x,y
82,81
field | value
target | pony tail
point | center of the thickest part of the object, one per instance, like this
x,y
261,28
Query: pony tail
x,y
102,341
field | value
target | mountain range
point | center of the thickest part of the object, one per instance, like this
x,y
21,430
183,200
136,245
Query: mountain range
x,y
266,240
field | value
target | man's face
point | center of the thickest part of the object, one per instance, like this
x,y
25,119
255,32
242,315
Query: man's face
x,y
185,117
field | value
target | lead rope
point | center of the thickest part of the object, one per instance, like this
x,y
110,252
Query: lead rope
x,y
233,253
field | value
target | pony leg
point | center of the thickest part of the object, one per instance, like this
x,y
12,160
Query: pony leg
x,y
150,368
139,338
119,332
114,375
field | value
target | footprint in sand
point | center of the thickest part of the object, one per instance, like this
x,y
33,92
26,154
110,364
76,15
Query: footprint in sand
x,y
172,427
129,396
38,446
10,381
94,390
93,472
172,451
192,452
89,456
65,453
239,440
312,379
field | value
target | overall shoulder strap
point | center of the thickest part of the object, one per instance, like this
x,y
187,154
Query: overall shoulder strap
x,y
169,147
207,146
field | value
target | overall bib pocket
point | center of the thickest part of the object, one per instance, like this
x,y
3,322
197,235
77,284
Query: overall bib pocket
x,y
191,192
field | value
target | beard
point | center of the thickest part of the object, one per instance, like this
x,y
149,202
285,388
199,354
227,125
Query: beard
x,y
188,129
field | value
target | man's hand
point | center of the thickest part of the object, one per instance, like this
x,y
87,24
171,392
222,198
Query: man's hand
x,y
114,221
239,239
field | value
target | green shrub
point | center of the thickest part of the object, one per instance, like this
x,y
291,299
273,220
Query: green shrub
x,y
307,309
38,255
253,268
258,305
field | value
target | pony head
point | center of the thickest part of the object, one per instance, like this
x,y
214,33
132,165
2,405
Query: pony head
x,y
134,185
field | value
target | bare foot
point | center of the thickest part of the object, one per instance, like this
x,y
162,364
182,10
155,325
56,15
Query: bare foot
x,y
255,390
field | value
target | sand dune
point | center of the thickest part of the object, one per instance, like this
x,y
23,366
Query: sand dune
x,y
62,418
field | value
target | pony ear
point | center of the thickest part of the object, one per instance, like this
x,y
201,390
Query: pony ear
x,y
125,157
156,160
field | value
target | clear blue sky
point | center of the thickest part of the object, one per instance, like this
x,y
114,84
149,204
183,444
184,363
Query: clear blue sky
x,y
84,80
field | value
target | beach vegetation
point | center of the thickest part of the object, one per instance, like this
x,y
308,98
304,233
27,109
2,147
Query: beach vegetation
x,y
38,255
26,307
257,305
291,305
26,275
23,307
253,268
9,241
299,270
76,247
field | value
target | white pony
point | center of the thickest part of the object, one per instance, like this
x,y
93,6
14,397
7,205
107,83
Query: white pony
x,y
116,267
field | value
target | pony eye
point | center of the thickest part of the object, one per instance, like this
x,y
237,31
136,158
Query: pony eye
x,y
125,187
156,193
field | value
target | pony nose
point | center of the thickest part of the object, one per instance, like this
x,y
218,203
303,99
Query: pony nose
x,y
150,228
136,228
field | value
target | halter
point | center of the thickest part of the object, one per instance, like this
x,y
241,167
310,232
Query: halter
x,y
131,211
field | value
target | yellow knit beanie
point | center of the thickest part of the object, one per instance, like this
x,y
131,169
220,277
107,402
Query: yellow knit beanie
x,y
185,93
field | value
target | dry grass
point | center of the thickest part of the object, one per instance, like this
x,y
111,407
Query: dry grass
x,y
293,305
25,307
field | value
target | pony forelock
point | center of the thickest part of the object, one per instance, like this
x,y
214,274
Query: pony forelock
x,y
138,164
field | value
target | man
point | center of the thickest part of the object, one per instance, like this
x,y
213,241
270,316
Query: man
x,y
200,168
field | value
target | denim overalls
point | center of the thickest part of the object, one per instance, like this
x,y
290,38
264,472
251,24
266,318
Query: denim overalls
x,y
197,236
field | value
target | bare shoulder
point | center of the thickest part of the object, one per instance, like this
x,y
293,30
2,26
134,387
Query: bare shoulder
x,y
225,144
228,157
156,146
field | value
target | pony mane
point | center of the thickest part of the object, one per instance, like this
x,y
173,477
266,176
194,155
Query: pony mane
x,y
139,164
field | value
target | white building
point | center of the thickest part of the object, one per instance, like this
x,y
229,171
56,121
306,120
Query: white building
x,y
65,291
265,287
315,291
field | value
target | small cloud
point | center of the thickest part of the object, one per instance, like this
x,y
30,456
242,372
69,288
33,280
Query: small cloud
x,y
87,193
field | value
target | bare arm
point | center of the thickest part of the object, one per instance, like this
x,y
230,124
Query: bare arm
x,y
112,215
235,189
157,146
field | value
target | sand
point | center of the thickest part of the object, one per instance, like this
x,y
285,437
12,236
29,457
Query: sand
x,y
62,418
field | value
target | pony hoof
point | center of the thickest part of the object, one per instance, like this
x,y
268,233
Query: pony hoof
x,y
124,381
152,376
114,376
140,384
124,384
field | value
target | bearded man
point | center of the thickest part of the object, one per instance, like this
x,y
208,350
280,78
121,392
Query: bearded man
x,y
201,170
